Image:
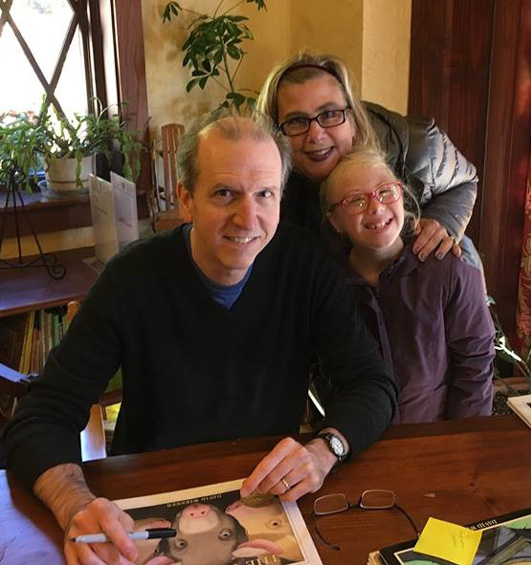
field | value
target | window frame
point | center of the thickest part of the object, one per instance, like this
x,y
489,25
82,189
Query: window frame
x,y
116,73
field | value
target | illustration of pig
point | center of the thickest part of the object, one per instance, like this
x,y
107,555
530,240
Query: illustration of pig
x,y
268,522
208,536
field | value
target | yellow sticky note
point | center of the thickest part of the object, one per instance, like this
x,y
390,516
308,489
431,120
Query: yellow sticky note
x,y
448,541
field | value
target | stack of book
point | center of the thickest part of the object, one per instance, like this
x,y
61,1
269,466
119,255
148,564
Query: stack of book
x,y
505,539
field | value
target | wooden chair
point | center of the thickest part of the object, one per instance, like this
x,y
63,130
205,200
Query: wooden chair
x,y
92,439
164,209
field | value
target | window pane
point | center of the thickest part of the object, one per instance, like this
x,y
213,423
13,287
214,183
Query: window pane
x,y
71,91
21,90
44,25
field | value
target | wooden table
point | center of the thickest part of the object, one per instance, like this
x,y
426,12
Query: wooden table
x,y
461,471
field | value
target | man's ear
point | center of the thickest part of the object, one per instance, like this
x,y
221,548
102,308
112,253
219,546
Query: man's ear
x,y
185,199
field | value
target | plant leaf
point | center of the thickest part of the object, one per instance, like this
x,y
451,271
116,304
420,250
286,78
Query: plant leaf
x,y
190,84
171,9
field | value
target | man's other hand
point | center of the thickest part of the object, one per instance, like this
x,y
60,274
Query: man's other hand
x,y
291,470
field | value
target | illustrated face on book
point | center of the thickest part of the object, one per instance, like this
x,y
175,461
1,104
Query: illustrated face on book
x,y
379,226
316,152
235,204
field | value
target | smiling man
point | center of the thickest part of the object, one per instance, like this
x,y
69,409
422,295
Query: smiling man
x,y
214,325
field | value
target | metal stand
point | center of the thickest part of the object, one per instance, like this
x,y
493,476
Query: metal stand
x,y
14,177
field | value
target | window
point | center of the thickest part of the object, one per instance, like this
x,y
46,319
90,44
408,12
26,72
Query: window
x,y
44,56
109,35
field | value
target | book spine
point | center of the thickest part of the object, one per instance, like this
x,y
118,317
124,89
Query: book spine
x,y
28,339
24,346
34,362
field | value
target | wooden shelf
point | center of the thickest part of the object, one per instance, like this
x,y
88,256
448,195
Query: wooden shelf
x,y
31,288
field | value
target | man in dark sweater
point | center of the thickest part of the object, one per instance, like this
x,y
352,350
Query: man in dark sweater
x,y
213,325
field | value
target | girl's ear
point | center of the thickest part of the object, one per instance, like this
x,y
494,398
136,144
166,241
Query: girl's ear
x,y
335,224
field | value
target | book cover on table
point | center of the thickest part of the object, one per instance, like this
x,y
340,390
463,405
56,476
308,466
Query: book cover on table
x,y
521,406
505,539
214,526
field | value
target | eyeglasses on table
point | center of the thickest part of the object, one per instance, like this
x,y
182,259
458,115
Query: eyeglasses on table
x,y
373,499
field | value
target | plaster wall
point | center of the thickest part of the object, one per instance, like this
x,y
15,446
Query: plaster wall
x,y
371,35
168,100
386,45
338,31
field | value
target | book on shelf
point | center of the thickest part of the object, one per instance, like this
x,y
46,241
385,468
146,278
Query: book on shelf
x,y
521,406
24,363
26,339
35,341
505,539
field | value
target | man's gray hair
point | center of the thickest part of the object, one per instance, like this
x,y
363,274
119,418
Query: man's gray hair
x,y
233,127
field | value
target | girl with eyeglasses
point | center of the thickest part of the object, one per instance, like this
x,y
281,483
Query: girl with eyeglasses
x,y
431,318
311,100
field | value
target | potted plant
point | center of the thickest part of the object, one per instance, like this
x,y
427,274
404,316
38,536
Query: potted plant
x,y
22,142
71,145
213,49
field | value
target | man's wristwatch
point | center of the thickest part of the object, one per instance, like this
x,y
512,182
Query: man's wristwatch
x,y
335,445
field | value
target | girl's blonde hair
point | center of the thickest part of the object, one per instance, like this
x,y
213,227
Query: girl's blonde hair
x,y
369,157
305,66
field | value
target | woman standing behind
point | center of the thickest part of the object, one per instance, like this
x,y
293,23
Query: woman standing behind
x,y
431,318
311,100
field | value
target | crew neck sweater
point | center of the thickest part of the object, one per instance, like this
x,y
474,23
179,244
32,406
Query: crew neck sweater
x,y
196,372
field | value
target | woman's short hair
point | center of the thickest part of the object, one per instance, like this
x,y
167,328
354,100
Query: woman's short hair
x,y
370,157
233,127
305,66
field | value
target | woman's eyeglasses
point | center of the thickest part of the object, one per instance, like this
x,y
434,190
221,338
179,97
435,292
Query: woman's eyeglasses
x,y
357,203
326,119
375,499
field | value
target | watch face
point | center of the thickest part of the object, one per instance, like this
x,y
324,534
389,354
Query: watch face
x,y
337,446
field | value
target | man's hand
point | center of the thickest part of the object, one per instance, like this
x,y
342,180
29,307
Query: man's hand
x,y
100,515
64,490
291,470
431,236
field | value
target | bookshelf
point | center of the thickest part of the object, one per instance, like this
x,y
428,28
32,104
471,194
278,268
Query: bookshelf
x,y
31,289
28,290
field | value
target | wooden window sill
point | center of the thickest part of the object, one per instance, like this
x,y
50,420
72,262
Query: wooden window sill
x,y
53,214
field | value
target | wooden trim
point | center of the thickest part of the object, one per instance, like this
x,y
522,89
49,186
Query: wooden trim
x,y
129,42
449,75
471,70
507,154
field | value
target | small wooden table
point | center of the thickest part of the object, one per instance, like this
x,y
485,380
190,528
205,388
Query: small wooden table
x,y
32,288
462,471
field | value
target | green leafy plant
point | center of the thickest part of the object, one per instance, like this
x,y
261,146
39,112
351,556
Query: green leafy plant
x,y
91,134
27,142
22,142
214,49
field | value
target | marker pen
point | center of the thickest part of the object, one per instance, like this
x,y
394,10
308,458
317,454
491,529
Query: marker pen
x,y
150,533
